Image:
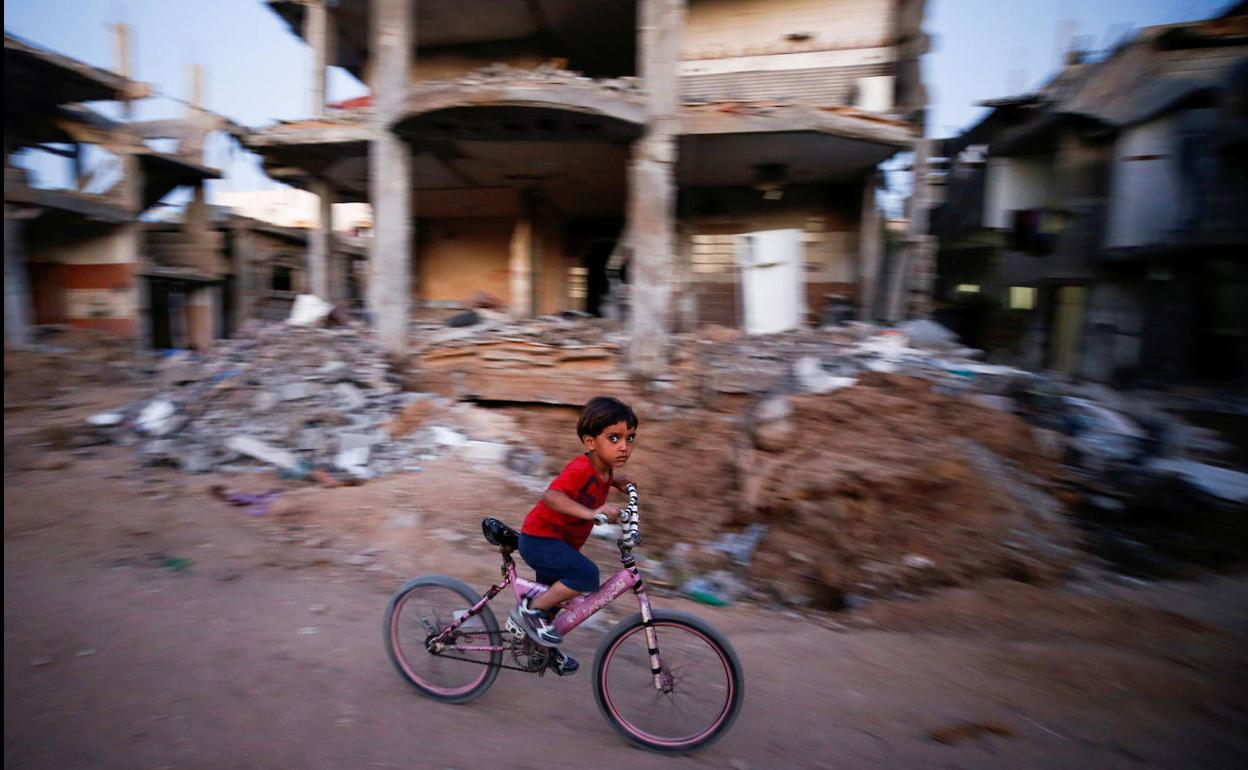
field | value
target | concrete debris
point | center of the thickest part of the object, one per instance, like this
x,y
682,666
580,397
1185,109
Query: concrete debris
x,y
313,403
353,461
718,588
309,310
253,447
106,419
929,334
1223,483
158,418
813,379
740,546
448,437
770,426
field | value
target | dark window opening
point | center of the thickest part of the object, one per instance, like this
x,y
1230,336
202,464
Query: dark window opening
x,y
282,279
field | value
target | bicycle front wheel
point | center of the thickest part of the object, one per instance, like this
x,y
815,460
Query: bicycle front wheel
x,y
706,683
423,608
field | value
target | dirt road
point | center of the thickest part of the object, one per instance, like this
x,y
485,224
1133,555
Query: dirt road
x,y
148,624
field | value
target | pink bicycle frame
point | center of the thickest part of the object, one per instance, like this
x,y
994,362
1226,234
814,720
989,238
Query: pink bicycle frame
x,y
576,611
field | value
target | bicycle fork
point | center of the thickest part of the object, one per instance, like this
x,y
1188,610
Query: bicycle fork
x,y
662,675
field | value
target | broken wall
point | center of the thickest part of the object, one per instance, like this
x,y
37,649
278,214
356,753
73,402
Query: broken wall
x,y
458,257
85,277
269,272
814,51
448,64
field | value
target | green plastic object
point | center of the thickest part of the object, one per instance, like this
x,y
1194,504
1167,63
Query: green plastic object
x,y
705,598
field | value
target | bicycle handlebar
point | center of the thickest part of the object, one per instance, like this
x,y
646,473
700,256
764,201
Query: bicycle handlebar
x,y
629,519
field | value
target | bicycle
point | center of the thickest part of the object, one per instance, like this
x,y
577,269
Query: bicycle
x,y
666,680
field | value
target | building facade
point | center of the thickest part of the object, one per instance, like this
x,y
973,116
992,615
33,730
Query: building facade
x,y
706,161
1096,227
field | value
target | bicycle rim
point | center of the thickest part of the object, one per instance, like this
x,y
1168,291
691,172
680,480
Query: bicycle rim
x,y
705,692
425,610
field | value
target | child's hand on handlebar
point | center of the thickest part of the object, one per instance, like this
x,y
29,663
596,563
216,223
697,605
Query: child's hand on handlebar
x,y
610,511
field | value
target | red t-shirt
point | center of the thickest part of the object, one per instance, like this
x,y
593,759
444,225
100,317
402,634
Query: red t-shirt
x,y
579,482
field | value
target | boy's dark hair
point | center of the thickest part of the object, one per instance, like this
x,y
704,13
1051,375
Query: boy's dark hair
x,y
602,411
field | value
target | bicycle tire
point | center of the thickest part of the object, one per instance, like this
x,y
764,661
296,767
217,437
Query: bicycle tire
x,y
405,641
672,627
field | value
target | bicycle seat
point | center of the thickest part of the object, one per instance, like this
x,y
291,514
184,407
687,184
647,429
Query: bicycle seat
x,y
498,533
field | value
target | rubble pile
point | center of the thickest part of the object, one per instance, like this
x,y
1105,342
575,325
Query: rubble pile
x,y
547,360
293,398
883,487
500,74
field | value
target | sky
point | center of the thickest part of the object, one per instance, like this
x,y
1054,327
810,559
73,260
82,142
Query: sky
x,y
258,72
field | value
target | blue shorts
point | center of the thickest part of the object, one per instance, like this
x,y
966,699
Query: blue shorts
x,y
556,561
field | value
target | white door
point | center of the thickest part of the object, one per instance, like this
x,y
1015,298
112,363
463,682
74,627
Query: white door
x,y
771,280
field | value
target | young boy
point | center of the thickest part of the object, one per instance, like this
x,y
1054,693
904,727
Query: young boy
x,y
560,523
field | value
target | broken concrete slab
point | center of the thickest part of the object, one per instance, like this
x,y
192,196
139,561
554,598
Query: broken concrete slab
x,y
487,452
354,461
158,418
351,397
252,447
296,391
347,441
811,377
106,419
308,310
1223,483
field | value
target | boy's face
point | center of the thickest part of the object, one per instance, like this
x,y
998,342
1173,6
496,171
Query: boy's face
x,y
613,446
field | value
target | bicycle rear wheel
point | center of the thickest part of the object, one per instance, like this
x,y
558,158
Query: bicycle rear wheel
x,y
425,606
707,683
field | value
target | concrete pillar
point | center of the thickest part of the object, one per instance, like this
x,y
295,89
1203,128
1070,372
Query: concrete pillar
x,y
912,277
320,241
201,313
652,186
520,267
18,314
316,32
869,253
130,195
242,261
390,176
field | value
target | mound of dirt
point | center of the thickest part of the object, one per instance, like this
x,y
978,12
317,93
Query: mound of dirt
x,y
882,488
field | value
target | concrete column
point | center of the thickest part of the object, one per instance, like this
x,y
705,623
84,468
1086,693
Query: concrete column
x,y
911,279
241,255
316,32
320,241
201,315
520,267
390,176
869,253
652,186
18,314
130,191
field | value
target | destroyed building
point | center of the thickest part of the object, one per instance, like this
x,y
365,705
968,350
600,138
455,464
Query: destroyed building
x,y
85,254
719,157
1096,226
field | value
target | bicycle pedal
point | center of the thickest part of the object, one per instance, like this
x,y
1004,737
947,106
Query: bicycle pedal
x,y
516,632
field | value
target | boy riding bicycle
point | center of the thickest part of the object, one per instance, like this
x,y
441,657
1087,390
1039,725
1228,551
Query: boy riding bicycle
x,y
558,526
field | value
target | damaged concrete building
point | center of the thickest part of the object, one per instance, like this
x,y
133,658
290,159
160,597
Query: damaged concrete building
x,y
717,156
86,253
1097,226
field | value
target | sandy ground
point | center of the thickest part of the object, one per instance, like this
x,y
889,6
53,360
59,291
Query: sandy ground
x,y
148,624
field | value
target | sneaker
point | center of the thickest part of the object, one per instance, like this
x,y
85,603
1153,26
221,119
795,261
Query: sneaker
x,y
563,664
536,625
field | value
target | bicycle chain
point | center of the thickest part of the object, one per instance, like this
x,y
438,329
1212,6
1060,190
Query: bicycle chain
x,y
485,663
